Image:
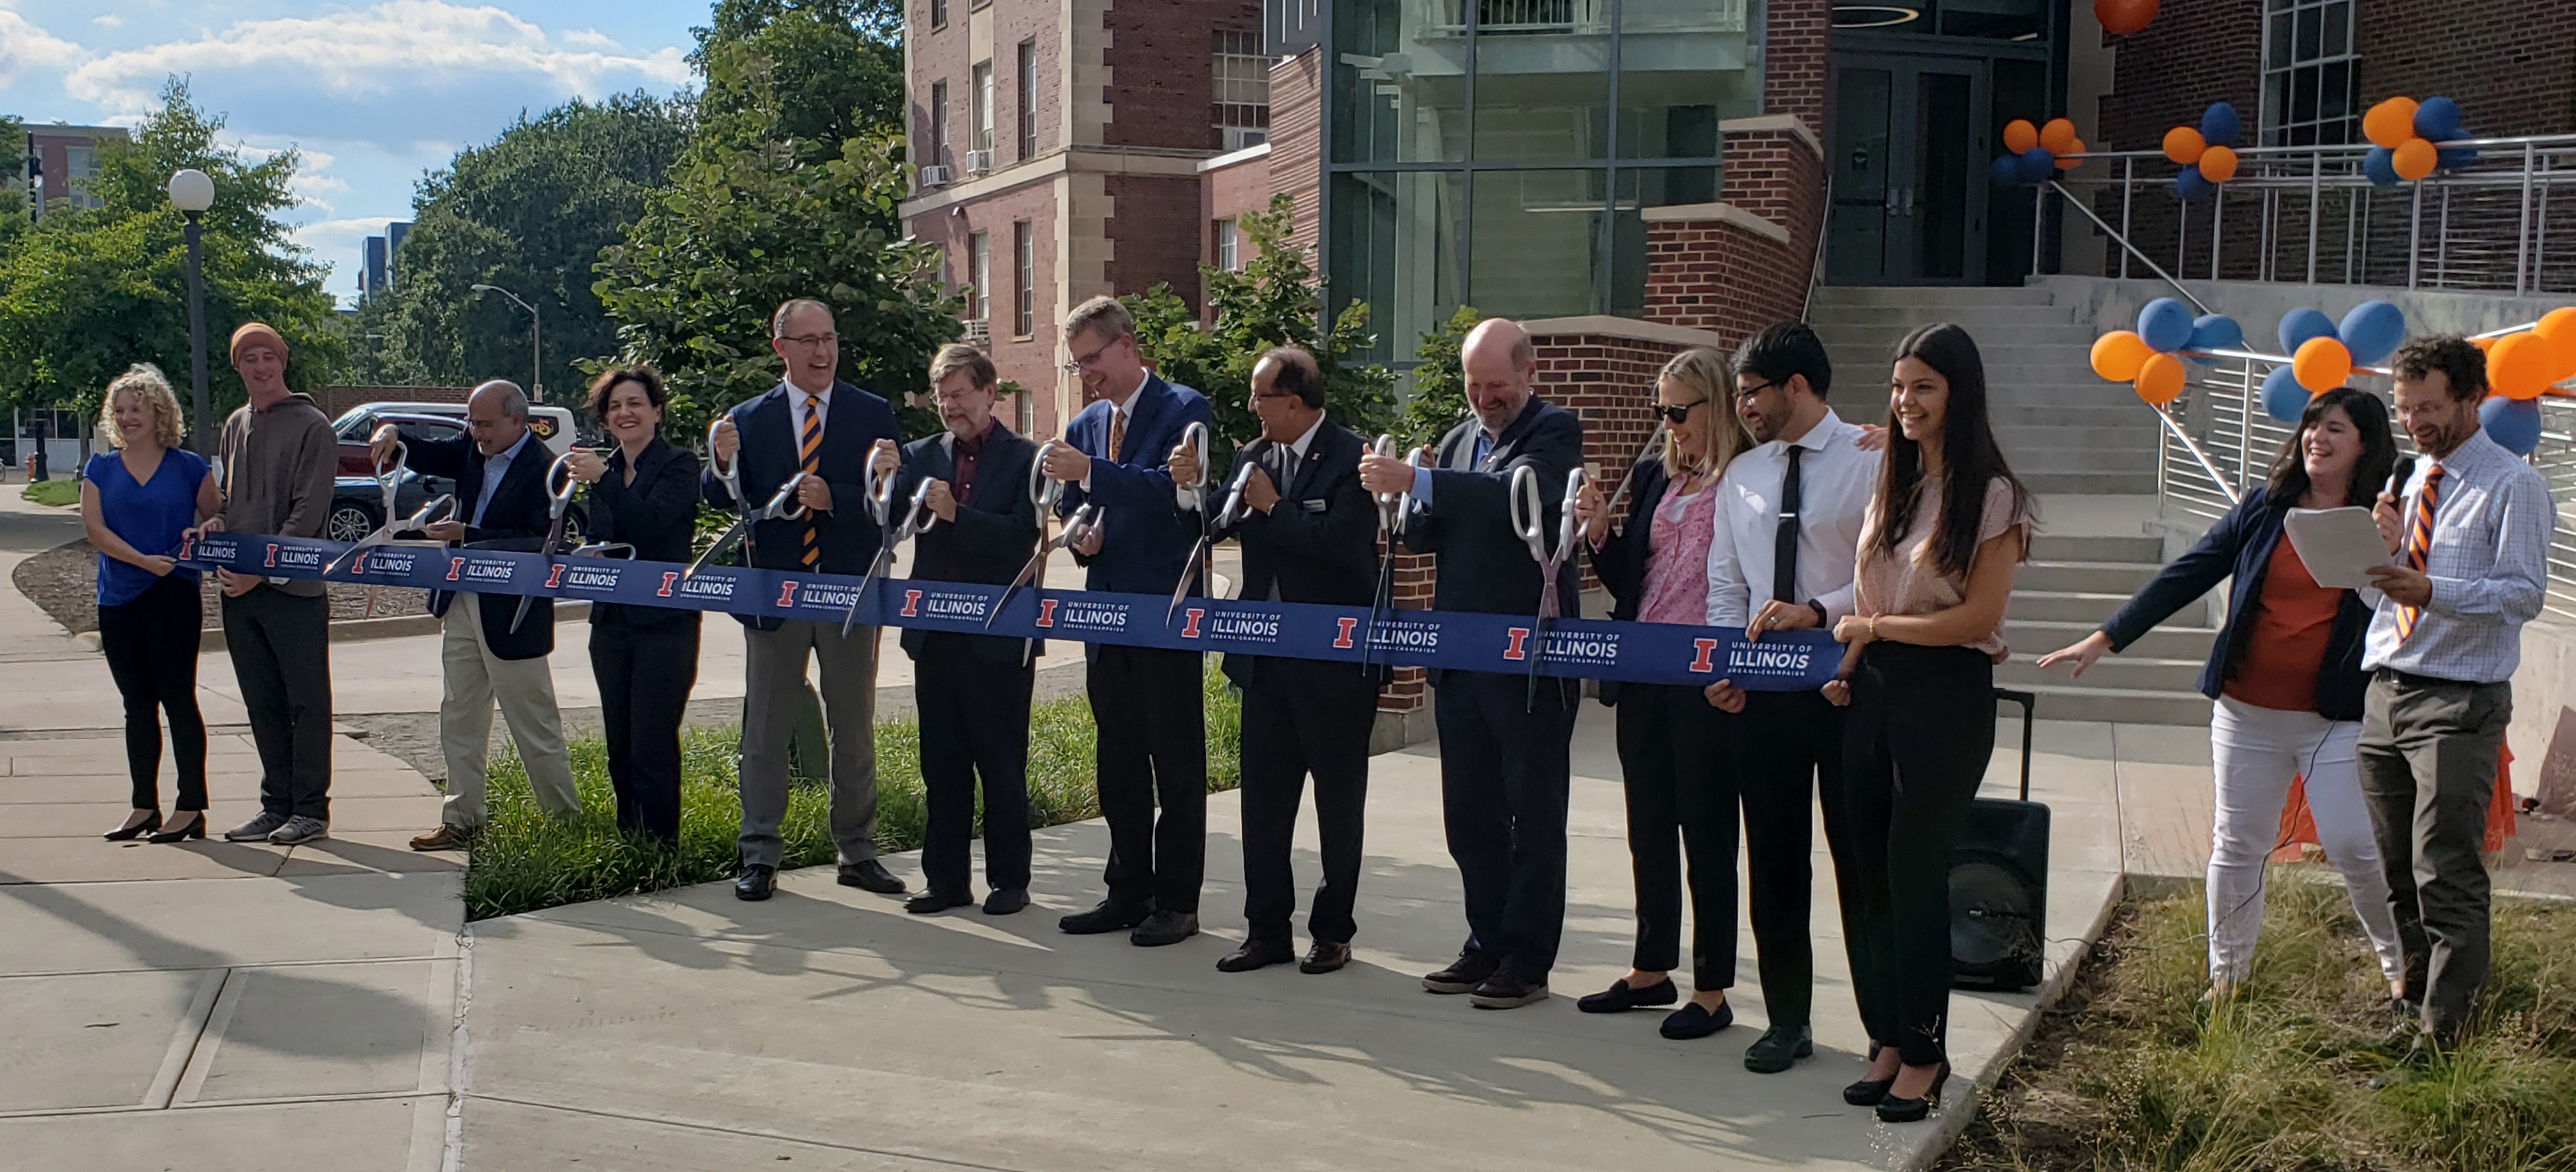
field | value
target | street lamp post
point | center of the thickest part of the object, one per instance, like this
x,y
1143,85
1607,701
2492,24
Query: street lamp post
x,y
536,343
192,192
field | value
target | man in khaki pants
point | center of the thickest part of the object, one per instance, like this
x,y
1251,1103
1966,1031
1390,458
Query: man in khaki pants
x,y
500,471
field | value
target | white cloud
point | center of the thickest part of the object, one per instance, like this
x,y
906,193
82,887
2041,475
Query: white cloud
x,y
111,20
24,47
588,38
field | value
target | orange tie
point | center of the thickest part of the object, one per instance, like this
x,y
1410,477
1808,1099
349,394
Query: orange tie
x,y
811,445
1117,434
2419,541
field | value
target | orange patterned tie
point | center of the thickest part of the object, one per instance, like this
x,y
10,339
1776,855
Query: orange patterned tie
x,y
811,445
2419,541
1117,434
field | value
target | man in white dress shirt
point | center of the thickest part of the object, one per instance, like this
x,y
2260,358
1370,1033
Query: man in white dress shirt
x,y
1788,526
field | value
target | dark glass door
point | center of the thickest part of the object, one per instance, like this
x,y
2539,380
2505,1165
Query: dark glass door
x,y
1911,139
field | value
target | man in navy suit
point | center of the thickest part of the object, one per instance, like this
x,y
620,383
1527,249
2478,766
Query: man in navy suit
x,y
814,424
1146,702
1503,759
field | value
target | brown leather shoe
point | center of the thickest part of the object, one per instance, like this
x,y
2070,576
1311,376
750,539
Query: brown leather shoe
x,y
1325,957
445,838
1255,953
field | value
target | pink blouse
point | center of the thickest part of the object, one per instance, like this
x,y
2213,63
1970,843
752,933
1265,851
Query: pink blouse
x,y
1912,585
1677,559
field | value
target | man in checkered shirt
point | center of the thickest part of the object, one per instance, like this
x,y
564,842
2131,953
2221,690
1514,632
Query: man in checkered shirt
x,y
2471,531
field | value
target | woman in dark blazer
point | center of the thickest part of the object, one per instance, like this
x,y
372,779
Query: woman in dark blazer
x,y
1679,775
645,493
2284,679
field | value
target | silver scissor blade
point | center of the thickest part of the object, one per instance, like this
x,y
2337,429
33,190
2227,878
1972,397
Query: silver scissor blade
x,y
723,547
1181,589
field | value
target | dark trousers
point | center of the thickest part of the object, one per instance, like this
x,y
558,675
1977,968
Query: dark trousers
x,y
151,648
2428,762
1675,757
645,673
974,720
1916,743
1147,704
281,649
1301,717
1789,755
1503,773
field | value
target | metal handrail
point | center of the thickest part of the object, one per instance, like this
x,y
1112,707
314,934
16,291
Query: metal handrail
x,y
2116,235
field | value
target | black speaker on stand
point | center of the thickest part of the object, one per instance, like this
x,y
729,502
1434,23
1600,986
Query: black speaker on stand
x,y
1999,883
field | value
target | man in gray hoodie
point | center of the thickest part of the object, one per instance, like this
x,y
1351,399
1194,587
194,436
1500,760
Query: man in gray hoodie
x,y
277,460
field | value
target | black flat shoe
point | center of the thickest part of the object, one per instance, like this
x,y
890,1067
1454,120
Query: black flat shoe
x,y
1691,1021
1868,1091
870,875
758,880
134,830
195,828
1778,1049
1895,1110
1619,998
1006,900
1109,916
1256,953
930,902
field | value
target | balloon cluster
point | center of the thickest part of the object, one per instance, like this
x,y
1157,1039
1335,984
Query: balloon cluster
x,y
2521,368
2206,153
2323,353
2124,16
2031,152
2402,132
2149,358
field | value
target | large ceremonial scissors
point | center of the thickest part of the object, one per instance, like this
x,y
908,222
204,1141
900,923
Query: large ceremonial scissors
x,y
1045,494
389,480
1529,519
781,507
917,520
1213,525
1392,509
558,501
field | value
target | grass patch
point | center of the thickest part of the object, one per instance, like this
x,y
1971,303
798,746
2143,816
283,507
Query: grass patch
x,y
526,862
53,492
2130,1072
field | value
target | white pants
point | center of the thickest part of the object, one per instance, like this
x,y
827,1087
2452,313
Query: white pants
x,y
526,689
2255,752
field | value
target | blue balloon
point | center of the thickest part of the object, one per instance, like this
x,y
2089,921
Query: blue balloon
x,y
2165,324
2005,171
2301,324
2219,124
2037,165
2372,331
2192,186
2437,119
2514,423
2216,331
2283,398
2380,165
2454,158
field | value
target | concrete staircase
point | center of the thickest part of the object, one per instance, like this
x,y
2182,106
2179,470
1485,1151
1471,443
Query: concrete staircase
x,y
2064,593
2064,430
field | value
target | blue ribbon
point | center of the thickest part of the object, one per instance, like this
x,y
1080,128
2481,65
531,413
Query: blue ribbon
x,y
1646,653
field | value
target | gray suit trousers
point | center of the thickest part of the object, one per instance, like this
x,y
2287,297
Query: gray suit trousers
x,y
2428,770
773,678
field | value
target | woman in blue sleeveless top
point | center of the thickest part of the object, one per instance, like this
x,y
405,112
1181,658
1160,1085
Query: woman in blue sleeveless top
x,y
137,502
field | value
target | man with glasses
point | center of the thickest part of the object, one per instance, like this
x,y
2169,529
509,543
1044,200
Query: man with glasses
x,y
1146,702
813,425
1788,523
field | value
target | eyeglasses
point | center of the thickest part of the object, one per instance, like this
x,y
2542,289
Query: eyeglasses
x,y
1674,412
1092,359
814,341
1744,392
1256,396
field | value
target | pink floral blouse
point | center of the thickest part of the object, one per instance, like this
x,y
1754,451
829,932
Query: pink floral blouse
x,y
1677,559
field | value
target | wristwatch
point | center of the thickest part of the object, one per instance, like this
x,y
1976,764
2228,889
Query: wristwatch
x,y
1819,608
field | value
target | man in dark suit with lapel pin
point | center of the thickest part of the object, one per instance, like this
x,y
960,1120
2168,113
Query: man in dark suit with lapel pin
x,y
499,467
812,424
972,691
1145,701
1309,534
1503,760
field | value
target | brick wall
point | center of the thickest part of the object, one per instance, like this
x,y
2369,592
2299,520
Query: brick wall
x,y
335,400
937,54
1013,23
1724,278
1795,36
1161,70
1296,139
1029,361
1154,222
2195,52
2510,64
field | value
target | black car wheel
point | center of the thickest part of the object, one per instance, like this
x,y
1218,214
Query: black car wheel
x,y
350,521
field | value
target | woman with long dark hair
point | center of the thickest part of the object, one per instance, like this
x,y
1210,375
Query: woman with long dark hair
x,y
2284,679
1947,527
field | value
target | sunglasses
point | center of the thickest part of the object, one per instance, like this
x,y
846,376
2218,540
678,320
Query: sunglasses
x,y
1673,413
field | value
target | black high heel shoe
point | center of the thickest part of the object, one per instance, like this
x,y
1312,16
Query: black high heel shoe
x,y
137,830
1867,1092
196,828
1895,1110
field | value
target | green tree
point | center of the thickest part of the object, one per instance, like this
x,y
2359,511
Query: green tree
x,y
821,72
13,163
88,292
1439,398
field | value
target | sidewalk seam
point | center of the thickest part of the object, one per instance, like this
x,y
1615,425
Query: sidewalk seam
x,y
452,1159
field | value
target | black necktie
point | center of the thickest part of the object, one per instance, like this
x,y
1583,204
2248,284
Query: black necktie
x,y
1287,469
1784,544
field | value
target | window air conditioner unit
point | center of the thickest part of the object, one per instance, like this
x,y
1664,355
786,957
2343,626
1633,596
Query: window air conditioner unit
x,y
1240,137
934,175
979,162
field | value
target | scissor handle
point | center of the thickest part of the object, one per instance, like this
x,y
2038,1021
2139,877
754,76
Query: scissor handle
x,y
1566,525
619,550
393,474
1233,507
1083,518
1527,518
918,519
731,474
783,506
1044,491
880,490
1196,436
562,496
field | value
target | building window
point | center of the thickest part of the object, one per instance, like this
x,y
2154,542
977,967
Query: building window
x,y
938,123
1028,111
979,274
983,148
1024,254
938,14
2311,74
1242,107
80,165
1226,256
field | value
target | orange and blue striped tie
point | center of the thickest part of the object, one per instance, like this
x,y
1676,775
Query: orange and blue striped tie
x,y
2419,542
809,447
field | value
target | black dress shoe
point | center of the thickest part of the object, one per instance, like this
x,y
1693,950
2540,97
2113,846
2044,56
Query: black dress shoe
x,y
870,875
1619,998
1691,1021
1778,1049
134,830
1005,900
1895,1110
927,902
1110,916
1165,927
1326,956
758,880
188,824
1507,990
1462,975
1256,953
1868,1091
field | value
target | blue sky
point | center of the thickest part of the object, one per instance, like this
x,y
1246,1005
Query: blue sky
x,y
374,94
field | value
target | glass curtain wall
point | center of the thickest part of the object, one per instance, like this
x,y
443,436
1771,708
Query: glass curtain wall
x,y
1498,153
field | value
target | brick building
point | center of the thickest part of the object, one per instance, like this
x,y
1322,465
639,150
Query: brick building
x,y
59,159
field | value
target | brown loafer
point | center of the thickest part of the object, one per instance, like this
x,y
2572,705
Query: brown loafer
x,y
1325,957
445,838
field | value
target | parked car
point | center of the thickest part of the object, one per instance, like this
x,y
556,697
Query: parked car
x,y
357,501
556,427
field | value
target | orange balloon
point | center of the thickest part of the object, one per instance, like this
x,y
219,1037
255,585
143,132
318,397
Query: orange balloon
x,y
2484,345
2558,326
2218,164
2020,135
2518,367
2118,355
2071,164
2183,145
2389,123
2321,365
2413,159
2124,16
2058,136
2159,379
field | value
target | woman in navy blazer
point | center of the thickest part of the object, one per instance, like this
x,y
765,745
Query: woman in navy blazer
x,y
2284,677
646,657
